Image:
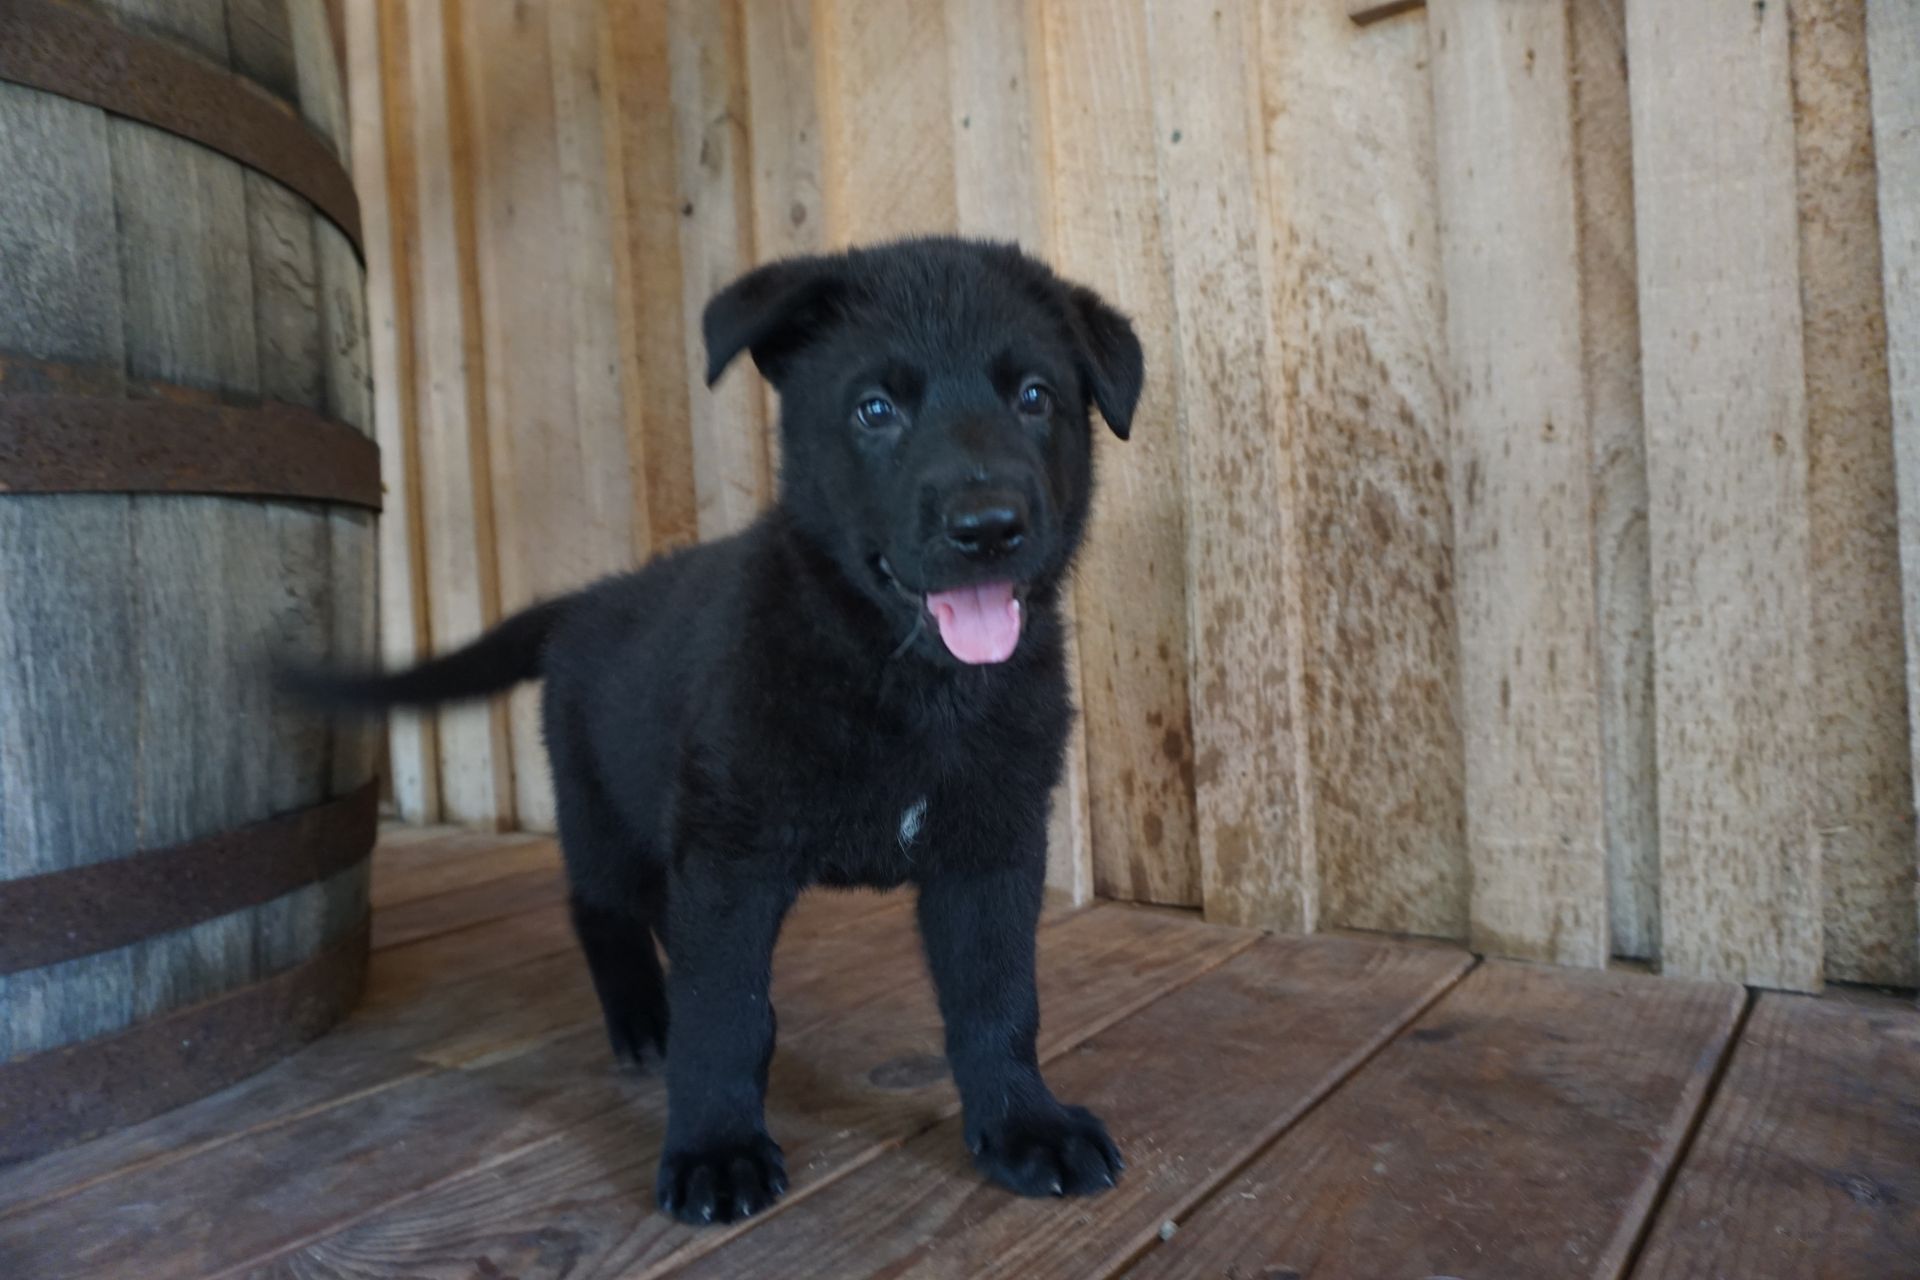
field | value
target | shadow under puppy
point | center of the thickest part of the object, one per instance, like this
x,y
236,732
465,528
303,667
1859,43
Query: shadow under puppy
x,y
865,687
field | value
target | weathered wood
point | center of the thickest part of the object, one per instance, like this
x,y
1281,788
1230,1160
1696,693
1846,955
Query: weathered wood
x,y
1893,54
1252,785
476,783
1449,1153
1863,787
1357,308
642,160
452,858
469,904
1521,472
1805,1163
318,65
1291,1018
1002,149
260,40
1610,323
1726,419
534,455
286,293
353,561
200,25
706,63
383,139
858,1072
885,101
1130,585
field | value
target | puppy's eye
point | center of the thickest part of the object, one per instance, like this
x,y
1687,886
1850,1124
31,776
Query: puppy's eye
x,y
1035,400
876,413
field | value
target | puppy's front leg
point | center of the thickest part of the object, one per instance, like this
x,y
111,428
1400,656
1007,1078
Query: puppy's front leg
x,y
719,1164
979,932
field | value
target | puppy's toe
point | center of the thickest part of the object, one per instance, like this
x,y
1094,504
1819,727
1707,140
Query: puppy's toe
x,y
721,1181
1063,1152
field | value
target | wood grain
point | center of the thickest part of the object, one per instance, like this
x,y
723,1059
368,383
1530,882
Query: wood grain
x,y
642,184
68,694
1130,584
1610,366
1289,1018
1893,55
1804,1166
706,61
472,901
1003,190
453,858
1863,790
1253,797
1726,417
1454,1152
885,106
857,1071
382,140
1522,473
450,403
1359,336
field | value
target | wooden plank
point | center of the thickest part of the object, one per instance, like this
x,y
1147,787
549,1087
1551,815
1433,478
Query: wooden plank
x,y
784,148
1610,359
427,867
68,694
1358,331
469,904
200,25
314,1169
286,292
1290,1019
885,113
476,782
1805,1163
1003,189
1893,53
353,550
1726,422
1254,811
642,159
383,141
1130,584
533,436
322,96
1449,1154
706,62
298,618
260,38
1863,789
861,1075
449,1000
1522,493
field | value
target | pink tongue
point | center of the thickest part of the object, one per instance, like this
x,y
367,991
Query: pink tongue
x,y
979,624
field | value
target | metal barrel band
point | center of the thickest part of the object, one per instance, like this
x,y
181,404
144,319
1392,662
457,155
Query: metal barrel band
x,y
61,443
73,50
80,911
66,1095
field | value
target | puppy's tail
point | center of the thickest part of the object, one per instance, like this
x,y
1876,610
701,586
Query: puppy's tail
x,y
500,659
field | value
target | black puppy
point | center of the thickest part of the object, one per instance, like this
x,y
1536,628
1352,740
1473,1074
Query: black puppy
x,y
866,687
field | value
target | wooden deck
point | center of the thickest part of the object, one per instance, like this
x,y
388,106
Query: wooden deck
x,y
1331,1106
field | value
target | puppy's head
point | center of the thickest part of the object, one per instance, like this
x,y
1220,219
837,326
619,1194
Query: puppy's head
x,y
935,430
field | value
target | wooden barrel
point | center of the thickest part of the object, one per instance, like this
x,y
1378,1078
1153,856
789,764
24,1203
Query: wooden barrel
x,y
187,484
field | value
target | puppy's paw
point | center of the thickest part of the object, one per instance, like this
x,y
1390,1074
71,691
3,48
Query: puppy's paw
x,y
1065,1152
722,1181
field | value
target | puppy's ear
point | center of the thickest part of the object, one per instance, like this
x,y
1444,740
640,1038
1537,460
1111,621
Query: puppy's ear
x,y
771,311
1110,356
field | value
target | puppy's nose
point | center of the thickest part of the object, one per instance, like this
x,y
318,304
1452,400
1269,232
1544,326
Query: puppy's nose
x,y
985,525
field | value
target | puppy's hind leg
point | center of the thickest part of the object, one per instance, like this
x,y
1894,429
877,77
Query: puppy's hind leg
x,y
627,976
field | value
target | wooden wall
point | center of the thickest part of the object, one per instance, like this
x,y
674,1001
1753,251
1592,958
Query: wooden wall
x,y
1508,548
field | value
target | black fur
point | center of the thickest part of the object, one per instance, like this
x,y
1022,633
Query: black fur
x,y
738,721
